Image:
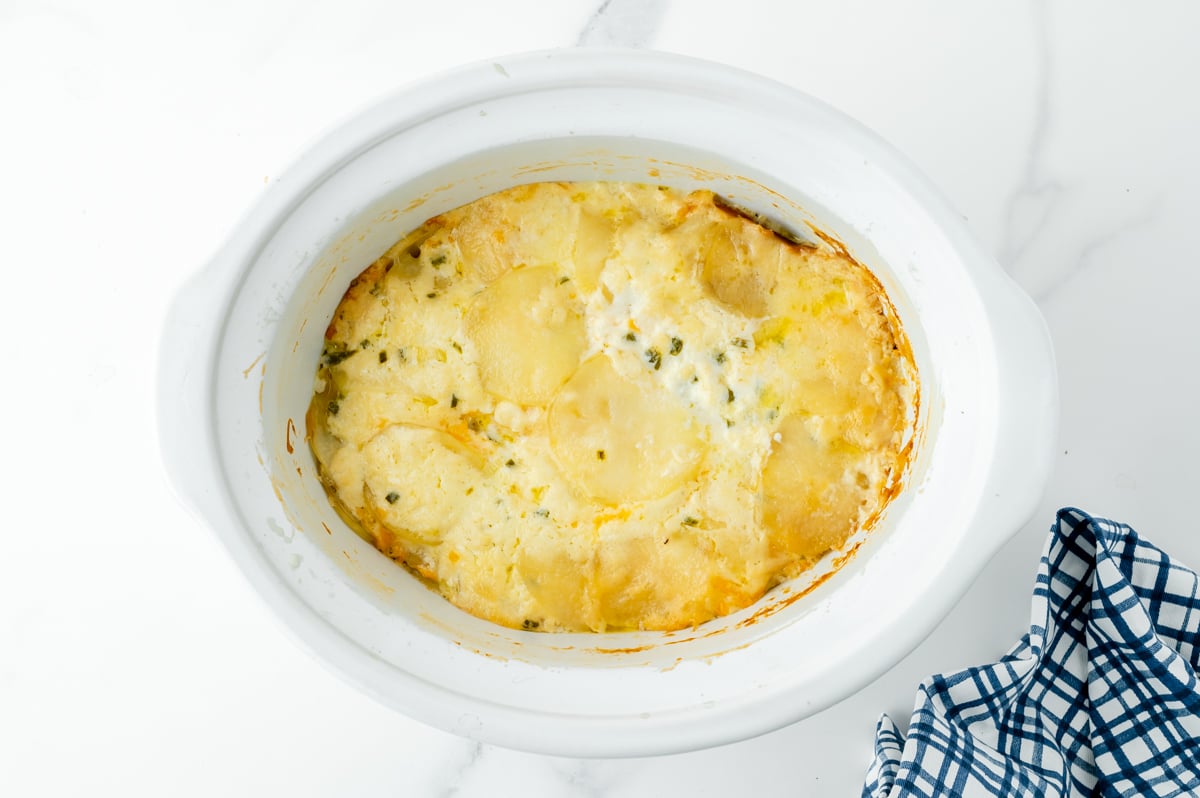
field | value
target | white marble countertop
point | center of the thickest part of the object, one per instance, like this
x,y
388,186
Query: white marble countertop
x,y
135,660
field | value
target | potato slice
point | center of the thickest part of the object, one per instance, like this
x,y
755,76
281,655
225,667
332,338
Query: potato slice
x,y
815,366
415,481
560,579
618,440
735,261
668,576
726,275
811,496
523,225
593,244
481,251
528,329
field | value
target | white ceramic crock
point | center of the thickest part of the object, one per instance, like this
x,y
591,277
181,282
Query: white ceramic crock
x,y
242,340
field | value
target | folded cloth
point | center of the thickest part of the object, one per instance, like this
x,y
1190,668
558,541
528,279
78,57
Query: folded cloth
x,y
1100,698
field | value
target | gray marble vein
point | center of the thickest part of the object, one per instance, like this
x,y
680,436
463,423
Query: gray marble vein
x,y
1030,206
588,779
460,770
1046,289
623,23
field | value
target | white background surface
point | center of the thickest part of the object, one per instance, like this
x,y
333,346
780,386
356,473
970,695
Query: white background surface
x,y
133,658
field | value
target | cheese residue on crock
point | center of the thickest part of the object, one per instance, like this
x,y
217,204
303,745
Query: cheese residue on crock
x,y
602,406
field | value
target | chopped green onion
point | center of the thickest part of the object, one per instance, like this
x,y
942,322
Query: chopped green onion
x,y
333,358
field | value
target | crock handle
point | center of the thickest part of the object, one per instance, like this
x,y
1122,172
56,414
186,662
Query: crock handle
x,y
1027,384
185,391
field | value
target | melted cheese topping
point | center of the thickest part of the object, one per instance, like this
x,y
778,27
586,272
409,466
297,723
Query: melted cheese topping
x,y
592,406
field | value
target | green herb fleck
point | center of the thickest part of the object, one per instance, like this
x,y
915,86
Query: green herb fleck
x,y
456,346
630,337
562,280
365,343
654,358
740,343
676,346
690,521
729,395
542,512
438,260
431,295
719,357
600,455
334,407
510,463
403,355
453,400
383,356
392,497
474,424
333,358
728,423
530,624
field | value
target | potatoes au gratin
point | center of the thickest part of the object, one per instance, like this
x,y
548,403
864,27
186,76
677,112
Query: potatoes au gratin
x,y
610,406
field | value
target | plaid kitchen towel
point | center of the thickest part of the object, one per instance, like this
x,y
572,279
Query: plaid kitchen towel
x,y
1100,698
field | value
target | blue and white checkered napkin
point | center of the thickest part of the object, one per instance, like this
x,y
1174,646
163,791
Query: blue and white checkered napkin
x,y
1100,698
